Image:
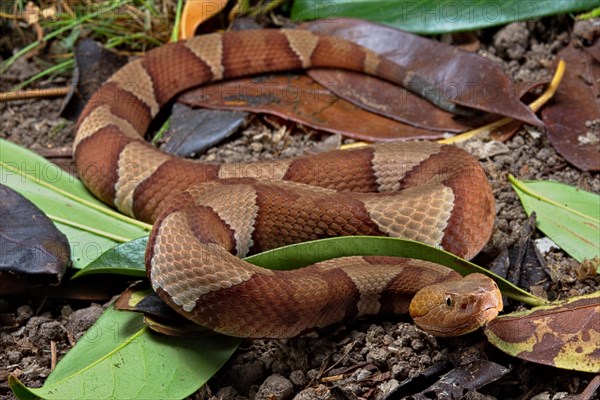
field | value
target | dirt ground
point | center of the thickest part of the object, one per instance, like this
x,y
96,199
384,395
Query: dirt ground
x,y
364,359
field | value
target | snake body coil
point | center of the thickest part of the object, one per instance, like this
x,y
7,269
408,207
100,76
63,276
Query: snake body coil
x,y
207,215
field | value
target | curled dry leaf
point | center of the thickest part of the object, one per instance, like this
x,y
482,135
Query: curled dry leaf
x,y
158,316
94,65
571,115
463,379
564,335
468,79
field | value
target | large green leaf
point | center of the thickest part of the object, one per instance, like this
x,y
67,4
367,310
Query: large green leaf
x,y
436,16
91,227
128,258
569,216
120,358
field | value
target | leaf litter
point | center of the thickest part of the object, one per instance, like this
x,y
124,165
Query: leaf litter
x,y
396,348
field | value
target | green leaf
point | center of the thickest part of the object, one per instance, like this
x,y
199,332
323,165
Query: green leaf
x,y
130,256
119,357
436,16
303,254
567,215
123,259
91,227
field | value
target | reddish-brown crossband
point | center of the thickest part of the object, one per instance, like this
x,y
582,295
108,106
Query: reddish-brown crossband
x,y
206,216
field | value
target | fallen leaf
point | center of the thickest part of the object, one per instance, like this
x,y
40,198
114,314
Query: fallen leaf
x,y
567,215
34,251
467,79
563,335
193,131
463,379
91,226
299,98
94,65
393,101
569,117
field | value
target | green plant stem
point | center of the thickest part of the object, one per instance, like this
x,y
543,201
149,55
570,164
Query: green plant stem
x,y
177,23
101,208
518,184
161,132
589,15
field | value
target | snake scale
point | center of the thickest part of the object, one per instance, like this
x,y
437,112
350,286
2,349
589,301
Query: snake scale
x,y
206,215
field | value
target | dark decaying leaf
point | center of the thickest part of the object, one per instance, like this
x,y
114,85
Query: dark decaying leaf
x,y
468,79
158,316
575,105
563,335
194,131
33,251
94,65
522,264
299,98
456,383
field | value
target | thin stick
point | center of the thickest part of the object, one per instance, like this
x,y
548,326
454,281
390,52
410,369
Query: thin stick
x,y
53,355
34,94
590,390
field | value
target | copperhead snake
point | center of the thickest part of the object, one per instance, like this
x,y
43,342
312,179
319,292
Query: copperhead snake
x,y
206,216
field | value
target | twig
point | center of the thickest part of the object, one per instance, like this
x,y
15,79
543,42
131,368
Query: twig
x,y
53,355
591,388
34,94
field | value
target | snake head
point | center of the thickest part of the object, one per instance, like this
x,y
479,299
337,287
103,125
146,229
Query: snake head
x,y
456,307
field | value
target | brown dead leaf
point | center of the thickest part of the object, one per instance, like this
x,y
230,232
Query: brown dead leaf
x,y
564,335
576,105
299,98
468,79
392,101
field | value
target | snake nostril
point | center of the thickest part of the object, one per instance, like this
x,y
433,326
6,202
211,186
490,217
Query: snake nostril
x,y
463,306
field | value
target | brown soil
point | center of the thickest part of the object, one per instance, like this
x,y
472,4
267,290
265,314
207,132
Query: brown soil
x,y
368,358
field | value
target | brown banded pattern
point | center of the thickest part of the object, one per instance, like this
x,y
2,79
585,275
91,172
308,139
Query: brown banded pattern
x,y
202,217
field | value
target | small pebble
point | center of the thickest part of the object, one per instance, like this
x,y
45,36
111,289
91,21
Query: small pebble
x,y
275,387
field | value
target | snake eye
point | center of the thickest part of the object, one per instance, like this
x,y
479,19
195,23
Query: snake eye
x,y
449,301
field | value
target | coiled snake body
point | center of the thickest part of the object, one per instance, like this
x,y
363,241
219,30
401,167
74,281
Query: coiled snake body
x,y
207,215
